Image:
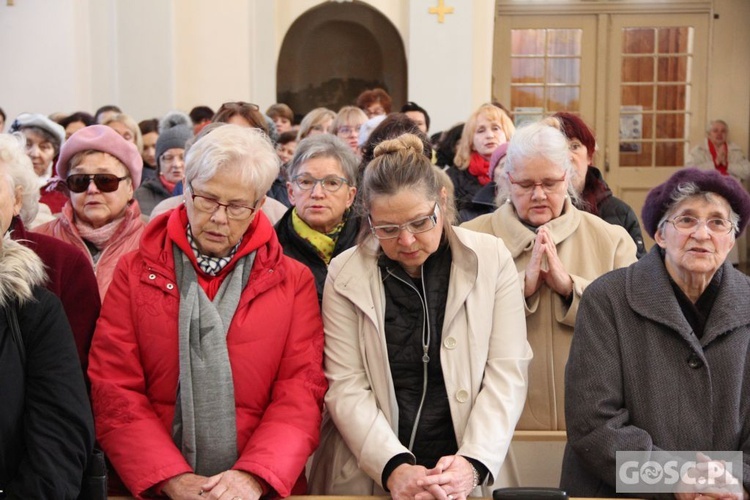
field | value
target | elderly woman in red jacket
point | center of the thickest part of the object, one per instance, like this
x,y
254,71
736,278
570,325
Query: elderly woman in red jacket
x,y
206,366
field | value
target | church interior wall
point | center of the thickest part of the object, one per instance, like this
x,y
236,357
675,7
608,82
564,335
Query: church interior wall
x,y
151,57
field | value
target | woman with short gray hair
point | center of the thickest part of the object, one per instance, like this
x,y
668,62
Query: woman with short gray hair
x,y
206,368
322,187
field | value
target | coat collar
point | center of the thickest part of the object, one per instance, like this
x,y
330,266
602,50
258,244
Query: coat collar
x,y
519,238
657,302
268,268
361,281
464,272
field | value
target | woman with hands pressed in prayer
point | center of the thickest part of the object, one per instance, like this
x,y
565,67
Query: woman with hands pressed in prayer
x,y
558,250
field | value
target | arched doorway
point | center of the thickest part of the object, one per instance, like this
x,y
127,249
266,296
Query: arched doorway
x,y
333,52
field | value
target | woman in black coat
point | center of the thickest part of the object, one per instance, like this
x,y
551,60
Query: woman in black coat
x,y
321,187
46,427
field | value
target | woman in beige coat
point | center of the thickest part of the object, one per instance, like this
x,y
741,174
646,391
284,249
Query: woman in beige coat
x,y
558,251
426,351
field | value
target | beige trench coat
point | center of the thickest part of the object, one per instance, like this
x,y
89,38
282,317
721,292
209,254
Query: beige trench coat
x,y
484,357
588,248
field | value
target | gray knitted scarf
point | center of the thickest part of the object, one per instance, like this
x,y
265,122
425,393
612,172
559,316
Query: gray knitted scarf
x,y
204,426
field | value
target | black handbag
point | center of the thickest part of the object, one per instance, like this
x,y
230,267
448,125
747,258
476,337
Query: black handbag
x,y
94,485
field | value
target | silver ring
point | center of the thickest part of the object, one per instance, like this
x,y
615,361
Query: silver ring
x,y
450,497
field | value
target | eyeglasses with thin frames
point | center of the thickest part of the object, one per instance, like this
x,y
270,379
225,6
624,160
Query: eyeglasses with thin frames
x,y
211,205
687,224
527,186
416,226
330,183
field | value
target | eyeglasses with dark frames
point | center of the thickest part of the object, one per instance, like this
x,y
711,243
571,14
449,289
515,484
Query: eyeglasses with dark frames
x,y
237,105
211,205
106,183
416,226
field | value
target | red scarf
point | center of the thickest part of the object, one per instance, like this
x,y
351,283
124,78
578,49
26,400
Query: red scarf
x,y
479,167
169,185
721,167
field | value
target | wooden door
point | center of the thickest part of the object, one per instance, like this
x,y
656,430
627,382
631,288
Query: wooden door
x,y
656,94
545,64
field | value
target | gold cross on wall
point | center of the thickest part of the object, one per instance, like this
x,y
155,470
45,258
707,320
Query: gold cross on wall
x,y
441,10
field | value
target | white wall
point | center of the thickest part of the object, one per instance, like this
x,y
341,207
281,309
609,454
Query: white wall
x,y
43,57
450,64
729,69
143,57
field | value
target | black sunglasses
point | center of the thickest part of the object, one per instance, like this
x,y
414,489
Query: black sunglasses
x,y
106,183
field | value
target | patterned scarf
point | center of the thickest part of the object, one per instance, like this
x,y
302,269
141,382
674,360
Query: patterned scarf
x,y
322,243
479,167
210,265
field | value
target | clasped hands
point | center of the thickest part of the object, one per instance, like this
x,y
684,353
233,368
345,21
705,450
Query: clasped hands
x,y
452,478
555,275
710,480
227,485
721,156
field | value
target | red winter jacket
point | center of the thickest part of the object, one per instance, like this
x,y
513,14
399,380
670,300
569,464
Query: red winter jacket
x,y
275,344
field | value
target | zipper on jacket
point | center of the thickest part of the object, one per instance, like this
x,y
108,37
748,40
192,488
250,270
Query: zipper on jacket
x,y
425,350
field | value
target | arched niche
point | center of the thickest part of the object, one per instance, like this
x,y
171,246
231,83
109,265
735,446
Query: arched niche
x,y
333,52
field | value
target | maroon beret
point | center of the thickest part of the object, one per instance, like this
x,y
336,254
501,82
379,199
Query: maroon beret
x,y
496,157
659,199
